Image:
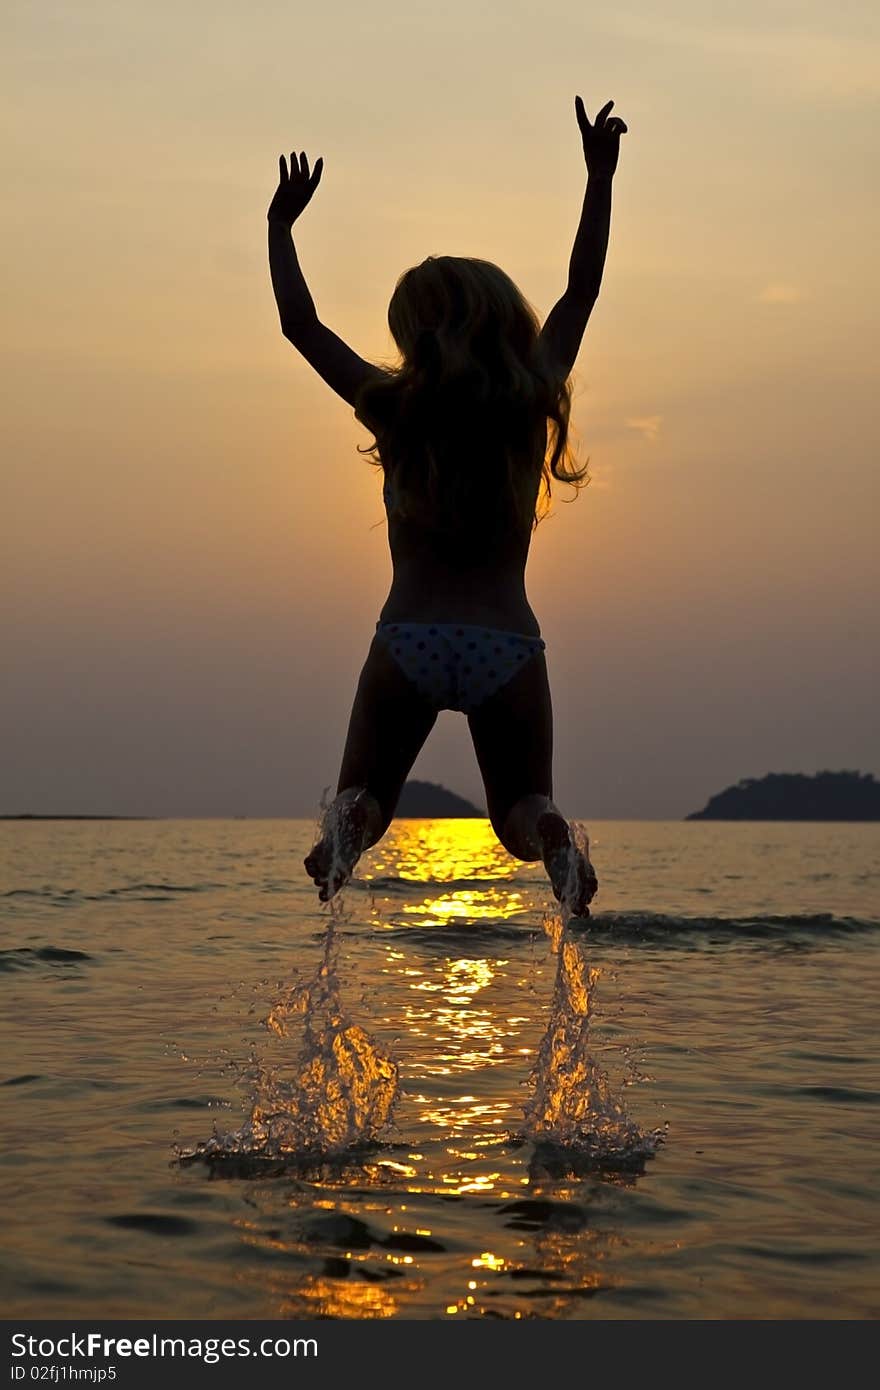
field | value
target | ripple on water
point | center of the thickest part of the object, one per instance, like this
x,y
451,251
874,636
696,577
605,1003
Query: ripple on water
x,y
154,1224
28,957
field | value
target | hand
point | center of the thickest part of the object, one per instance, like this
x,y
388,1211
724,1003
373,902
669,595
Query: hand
x,y
601,140
295,189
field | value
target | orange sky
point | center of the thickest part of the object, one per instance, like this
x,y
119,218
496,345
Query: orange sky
x,y
191,562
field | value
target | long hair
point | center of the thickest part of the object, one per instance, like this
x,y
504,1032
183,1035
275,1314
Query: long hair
x,y
473,423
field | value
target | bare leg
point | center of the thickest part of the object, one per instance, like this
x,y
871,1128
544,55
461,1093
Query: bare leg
x,y
513,740
567,862
390,721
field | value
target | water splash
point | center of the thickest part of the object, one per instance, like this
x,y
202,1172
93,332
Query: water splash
x,y
572,1106
334,1097
571,892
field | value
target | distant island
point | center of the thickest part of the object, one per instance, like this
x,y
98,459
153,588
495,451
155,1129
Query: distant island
x,y
797,796
425,800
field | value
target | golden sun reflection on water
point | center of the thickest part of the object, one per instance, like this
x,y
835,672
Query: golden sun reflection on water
x,y
462,979
465,1033
453,1013
466,903
439,851
319,1297
456,857
456,1010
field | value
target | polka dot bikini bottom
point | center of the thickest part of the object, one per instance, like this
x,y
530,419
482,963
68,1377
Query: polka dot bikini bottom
x,y
454,665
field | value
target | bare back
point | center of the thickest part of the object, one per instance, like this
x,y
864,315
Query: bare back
x,y
471,574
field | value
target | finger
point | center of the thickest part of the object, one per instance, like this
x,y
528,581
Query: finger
x,y
294,164
600,116
316,173
582,117
282,171
304,166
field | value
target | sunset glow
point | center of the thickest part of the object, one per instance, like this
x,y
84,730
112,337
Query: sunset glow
x,y
195,554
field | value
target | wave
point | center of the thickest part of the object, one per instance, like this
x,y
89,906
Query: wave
x,y
462,931
399,886
659,928
139,892
25,957
643,928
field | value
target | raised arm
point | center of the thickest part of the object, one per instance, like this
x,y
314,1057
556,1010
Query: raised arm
x,y
564,329
332,359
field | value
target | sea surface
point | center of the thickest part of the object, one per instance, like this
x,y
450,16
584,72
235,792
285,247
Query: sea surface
x,y
437,1100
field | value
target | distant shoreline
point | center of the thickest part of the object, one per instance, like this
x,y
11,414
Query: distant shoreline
x,y
648,820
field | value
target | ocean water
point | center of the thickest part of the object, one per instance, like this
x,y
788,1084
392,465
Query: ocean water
x,y
434,1099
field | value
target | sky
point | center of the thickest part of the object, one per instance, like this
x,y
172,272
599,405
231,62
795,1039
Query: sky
x,y
193,554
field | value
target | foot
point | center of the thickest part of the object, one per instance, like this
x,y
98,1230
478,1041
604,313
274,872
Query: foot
x,y
571,874
331,862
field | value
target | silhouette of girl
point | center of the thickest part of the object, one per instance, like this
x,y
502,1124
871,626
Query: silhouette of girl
x,y
469,428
